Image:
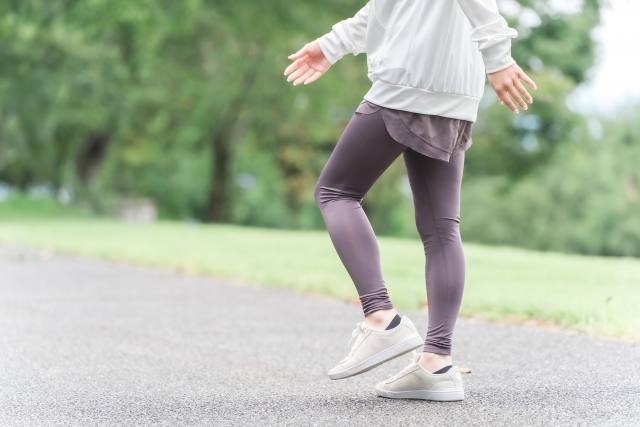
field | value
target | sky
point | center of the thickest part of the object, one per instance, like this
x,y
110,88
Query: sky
x,y
615,79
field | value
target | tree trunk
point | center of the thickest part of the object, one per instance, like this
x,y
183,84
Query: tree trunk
x,y
90,156
88,161
222,149
219,199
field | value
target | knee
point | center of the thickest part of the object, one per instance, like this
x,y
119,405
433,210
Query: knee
x,y
426,226
442,230
317,194
322,196
449,229
325,196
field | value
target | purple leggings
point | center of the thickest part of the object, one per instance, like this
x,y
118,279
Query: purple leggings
x,y
363,153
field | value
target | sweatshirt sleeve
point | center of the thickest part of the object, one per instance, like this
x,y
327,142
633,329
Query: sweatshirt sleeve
x,y
348,36
491,32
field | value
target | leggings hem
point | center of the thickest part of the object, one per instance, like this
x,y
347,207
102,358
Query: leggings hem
x,y
431,348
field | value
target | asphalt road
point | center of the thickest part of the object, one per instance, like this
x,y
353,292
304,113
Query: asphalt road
x,y
87,343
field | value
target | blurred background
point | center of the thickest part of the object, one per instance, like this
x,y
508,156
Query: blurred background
x,y
179,110
163,134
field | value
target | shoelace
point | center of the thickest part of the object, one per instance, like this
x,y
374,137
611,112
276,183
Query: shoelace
x,y
405,370
359,333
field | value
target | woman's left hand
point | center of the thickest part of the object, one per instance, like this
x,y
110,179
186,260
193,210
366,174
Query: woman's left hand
x,y
310,63
507,85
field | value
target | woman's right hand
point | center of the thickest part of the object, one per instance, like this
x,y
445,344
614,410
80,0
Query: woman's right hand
x,y
309,64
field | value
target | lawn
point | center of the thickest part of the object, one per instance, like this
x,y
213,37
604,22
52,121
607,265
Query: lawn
x,y
590,294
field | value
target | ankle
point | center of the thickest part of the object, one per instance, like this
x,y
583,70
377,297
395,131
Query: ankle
x,y
433,362
380,319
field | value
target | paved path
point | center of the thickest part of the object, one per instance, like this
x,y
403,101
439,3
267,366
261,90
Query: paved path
x,y
92,343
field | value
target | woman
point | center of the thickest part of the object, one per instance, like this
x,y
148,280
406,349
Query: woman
x,y
427,60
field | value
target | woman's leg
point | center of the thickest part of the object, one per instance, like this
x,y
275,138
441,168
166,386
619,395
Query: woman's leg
x,y
436,193
362,154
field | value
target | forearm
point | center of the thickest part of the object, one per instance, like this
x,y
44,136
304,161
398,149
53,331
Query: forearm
x,y
348,36
491,32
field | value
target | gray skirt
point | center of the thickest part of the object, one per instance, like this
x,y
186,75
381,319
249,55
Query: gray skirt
x,y
433,136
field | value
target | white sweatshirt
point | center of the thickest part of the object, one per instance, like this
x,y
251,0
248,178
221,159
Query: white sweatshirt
x,y
426,56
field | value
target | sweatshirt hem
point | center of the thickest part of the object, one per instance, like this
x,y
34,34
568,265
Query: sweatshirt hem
x,y
423,101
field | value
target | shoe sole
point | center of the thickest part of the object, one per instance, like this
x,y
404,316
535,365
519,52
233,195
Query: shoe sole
x,y
410,343
446,395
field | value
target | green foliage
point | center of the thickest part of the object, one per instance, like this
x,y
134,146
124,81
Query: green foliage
x,y
215,85
185,102
515,144
555,53
587,200
60,85
561,42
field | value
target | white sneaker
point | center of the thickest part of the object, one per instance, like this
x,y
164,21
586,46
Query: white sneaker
x,y
414,382
374,347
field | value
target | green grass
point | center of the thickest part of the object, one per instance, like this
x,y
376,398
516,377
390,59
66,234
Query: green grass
x,y
19,206
591,294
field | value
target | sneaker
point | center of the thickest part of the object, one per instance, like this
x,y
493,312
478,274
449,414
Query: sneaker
x,y
414,382
374,347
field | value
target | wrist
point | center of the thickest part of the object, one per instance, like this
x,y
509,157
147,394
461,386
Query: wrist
x,y
330,47
497,57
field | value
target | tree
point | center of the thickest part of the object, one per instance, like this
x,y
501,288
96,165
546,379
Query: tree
x,y
156,98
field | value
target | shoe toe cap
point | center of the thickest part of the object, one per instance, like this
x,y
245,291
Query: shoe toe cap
x,y
336,370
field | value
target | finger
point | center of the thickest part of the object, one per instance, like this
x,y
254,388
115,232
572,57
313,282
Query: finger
x,y
297,64
504,96
498,93
299,54
524,92
304,77
528,81
517,97
313,78
300,71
